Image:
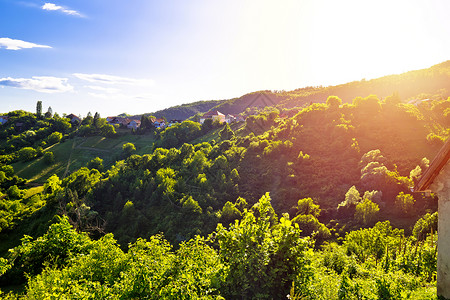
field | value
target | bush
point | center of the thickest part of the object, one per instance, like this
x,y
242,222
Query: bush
x,y
405,203
366,212
49,158
263,258
128,149
54,138
96,163
425,225
14,192
27,153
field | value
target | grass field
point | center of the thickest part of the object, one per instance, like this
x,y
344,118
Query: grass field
x,y
76,153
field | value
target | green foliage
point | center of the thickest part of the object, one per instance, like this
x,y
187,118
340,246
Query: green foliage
x,y
372,242
425,225
52,185
54,138
185,191
39,109
128,149
56,247
334,258
49,157
405,202
14,192
96,163
366,212
226,133
178,134
306,206
263,257
348,206
27,153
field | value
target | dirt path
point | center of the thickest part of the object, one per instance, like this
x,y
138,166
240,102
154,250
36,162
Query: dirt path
x,y
93,149
68,161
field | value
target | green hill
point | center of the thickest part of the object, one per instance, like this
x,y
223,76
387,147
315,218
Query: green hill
x,y
420,84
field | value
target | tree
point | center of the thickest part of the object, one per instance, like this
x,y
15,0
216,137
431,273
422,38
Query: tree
x,y
88,120
49,113
27,153
128,149
405,203
39,109
96,163
333,102
366,212
226,133
13,192
146,122
49,158
96,120
306,206
263,255
393,99
347,207
54,138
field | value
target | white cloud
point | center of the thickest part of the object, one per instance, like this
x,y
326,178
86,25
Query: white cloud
x,y
43,84
11,44
103,89
111,79
101,96
54,7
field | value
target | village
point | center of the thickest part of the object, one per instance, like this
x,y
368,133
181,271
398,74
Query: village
x,y
134,123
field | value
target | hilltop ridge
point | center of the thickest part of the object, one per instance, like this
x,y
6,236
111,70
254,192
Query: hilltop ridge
x,y
416,83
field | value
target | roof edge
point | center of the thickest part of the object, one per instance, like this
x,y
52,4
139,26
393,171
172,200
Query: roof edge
x,y
439,161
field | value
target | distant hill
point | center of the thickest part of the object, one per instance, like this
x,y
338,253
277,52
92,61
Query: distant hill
x,y
419,83
185,111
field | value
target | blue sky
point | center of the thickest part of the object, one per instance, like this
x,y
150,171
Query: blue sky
x,y
141,56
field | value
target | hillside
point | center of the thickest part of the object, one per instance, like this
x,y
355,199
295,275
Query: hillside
x,y
420,84
185,111
324,193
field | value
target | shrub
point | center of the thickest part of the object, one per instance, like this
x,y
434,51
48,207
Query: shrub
x,y
27,153
54,138
49,158
96,163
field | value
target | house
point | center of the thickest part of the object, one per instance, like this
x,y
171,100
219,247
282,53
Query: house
x,y
124,122
215,115
73,118
111,120
134,124
437,179
3,119
158,123
230,118
117,121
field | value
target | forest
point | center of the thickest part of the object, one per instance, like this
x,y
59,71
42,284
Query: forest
x,y
312,205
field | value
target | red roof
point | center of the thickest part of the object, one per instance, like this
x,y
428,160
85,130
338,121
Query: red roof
x,y
213,113
435,167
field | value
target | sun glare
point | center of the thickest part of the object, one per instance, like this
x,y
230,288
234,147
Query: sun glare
x,y
332,42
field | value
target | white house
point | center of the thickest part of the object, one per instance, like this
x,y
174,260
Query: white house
x,y
215,115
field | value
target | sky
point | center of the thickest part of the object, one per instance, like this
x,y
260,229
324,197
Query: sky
x,y
141,56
